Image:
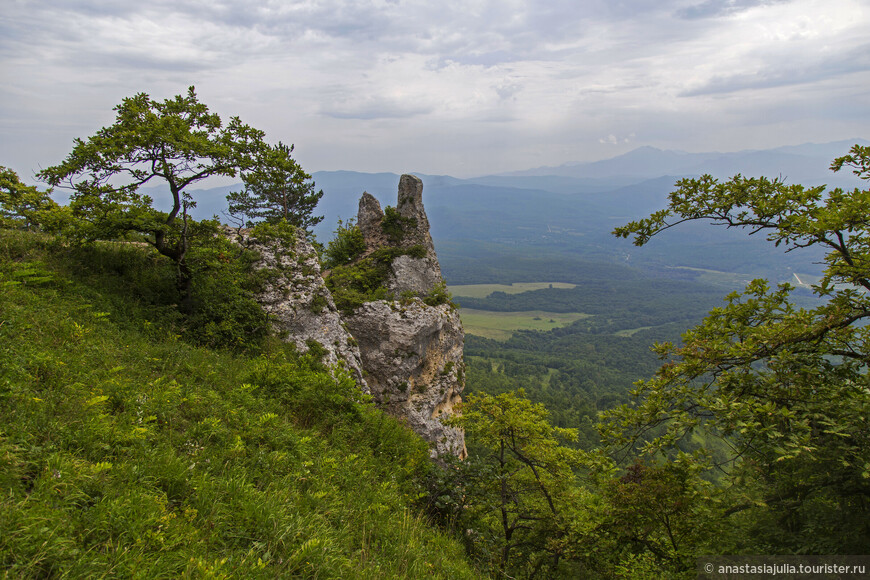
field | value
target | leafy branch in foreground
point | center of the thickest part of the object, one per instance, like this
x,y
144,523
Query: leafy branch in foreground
x,y
23,206
522,489
785,388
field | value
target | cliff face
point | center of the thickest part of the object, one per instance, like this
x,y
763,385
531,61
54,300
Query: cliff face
x,y
411,351
407,350
301,306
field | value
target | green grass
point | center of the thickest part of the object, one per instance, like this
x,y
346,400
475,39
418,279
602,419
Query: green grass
x,y
484,290
501,325
126,452
631,331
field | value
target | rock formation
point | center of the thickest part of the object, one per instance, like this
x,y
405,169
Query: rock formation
x,y
406,227
407,350
412,355
301,306
411,351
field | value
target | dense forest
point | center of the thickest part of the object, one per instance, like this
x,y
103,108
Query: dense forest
x,y
152,425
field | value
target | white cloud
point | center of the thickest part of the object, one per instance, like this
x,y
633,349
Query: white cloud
x,y
455,86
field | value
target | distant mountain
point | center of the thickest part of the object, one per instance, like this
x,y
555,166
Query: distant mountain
x,y
572,211
806,163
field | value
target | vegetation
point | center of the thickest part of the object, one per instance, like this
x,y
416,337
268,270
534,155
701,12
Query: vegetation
x,y
395,225
785,387
177,141
503,325
23,206
354,284
484,290
276,188
521,487
751,438
346,246
151,428
127,452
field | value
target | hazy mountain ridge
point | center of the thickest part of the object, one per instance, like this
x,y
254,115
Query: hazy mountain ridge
x,y
804,161
574,214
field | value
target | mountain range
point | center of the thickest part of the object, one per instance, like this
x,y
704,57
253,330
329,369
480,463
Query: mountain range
x,y
570,210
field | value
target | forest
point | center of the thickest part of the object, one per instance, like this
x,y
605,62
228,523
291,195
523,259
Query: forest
x,y
151,424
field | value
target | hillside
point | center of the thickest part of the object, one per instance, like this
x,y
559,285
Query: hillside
x,y
126,451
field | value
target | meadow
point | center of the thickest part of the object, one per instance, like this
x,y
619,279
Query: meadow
x,y
484,290
501,325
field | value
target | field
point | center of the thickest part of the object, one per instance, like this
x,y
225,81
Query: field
x,y
501,325
484,290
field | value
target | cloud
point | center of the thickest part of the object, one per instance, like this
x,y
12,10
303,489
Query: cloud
x,y
614,140
370,108
498,83
718,8
788,72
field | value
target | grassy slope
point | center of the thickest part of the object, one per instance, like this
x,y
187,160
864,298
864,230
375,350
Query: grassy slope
x,y
125,452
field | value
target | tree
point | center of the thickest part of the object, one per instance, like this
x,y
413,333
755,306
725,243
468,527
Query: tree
x,y
277,188
785,388
522,489
177,141
22,205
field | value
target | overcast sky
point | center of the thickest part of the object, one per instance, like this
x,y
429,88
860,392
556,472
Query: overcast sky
x,y
460,87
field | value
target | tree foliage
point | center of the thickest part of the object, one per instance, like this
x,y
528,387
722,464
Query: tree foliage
x,y
276,188
22,206
786,388
176,141
522,489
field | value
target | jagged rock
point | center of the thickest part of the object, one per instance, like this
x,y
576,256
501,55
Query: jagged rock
x,y
412,354
299,302
410,206
368,219
409,274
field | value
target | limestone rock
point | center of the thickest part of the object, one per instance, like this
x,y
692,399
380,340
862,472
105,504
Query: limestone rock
x,y
410,206
417,275
299,302
369,218
412,354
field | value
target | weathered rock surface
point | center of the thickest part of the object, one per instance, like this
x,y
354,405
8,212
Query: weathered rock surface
x,y
368,219
409,274
412,354
299,301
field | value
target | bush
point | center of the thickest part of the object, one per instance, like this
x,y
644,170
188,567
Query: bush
x,y
347,245
395,225
127,453
225,312
439,295
355,284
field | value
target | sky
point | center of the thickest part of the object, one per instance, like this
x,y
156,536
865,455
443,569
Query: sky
x,y
458,87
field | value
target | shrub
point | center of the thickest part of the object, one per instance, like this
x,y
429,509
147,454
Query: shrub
x,y
355,284
225,313
395,225
347,245
439,295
